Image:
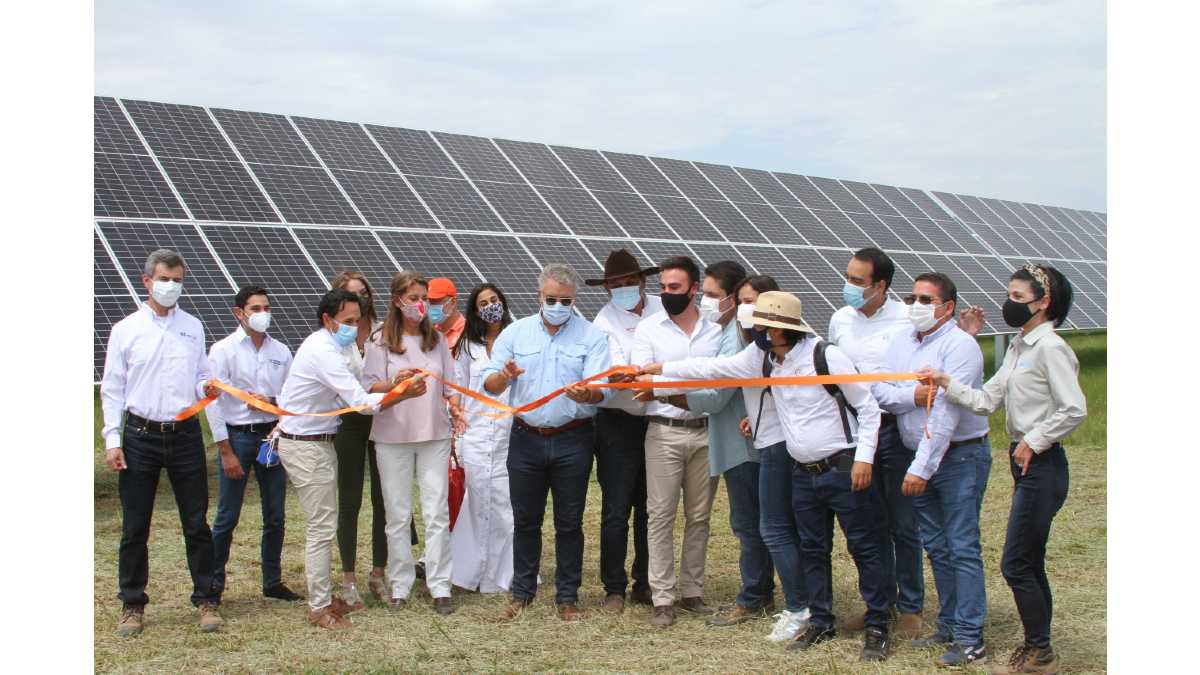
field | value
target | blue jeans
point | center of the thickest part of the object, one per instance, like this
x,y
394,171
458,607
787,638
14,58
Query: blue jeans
x,y
272,487
777,523
559,466
948,512
816,499
754,562
896,524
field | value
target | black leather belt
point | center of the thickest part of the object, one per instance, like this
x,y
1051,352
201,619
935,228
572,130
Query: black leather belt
x,y
826,464
956,444
140,422
550,431
697,423
311,438
255,428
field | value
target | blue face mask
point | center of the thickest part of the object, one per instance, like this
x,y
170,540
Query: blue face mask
x,y
436,313
761,339
854,295
345,335
556,314
627,297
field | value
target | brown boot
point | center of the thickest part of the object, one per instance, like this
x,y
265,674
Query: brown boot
x,y
1029,660
328,619
664,616
569,611
909,626
740,614
210,618
614,603
133,619
514,609
856,622
696,606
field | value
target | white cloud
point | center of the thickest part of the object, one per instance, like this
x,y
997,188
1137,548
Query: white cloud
x,y
1000,99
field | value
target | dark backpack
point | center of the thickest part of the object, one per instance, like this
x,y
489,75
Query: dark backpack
x,y
822,366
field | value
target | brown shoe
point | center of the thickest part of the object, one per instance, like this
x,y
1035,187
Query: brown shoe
x,y
210,618
514,609
696,606
342,608
443,606
909,626
664,616
329,619
569,611
614,603
1029,660
740,614
856,622
132,621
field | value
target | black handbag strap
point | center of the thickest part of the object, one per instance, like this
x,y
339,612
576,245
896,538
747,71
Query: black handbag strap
x,y
767,367
822,366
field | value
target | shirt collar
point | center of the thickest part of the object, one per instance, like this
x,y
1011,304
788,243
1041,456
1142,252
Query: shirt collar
x,y
152,315
885,308
946,328
1038,333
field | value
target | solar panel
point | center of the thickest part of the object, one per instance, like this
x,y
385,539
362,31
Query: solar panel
x,y
288,201
107,311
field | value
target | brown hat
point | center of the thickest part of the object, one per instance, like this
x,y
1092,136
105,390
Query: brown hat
x,y
620,263
778,310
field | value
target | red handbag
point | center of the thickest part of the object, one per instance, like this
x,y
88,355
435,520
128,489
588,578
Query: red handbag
x,y
458,487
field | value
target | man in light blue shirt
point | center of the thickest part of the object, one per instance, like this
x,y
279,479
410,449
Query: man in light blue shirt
x,y
950,468
550,447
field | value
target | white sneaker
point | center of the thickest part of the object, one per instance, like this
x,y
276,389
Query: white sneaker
x,y
788,625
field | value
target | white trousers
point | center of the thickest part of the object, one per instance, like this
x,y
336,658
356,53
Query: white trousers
x,y
312,469
430,462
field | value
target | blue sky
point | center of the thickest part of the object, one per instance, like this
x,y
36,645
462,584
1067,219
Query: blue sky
x,y
1001,99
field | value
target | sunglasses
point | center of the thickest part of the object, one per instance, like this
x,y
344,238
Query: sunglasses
x,y
923,299
565,302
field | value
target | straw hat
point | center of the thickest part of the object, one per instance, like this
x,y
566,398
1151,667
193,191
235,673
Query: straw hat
x,y
779,310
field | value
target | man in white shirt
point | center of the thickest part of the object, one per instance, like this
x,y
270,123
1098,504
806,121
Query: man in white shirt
x,y
621,435
833,448
949,471
256,363
863,329
321,381
676,445
155,368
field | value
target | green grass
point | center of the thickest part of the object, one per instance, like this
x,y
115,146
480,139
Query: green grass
x,y
262,636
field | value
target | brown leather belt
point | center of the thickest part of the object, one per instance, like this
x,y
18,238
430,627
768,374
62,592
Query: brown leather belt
x,y
694,423
956,444
551,431
312,438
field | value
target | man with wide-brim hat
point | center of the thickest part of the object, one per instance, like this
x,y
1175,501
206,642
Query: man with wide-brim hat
x,y
620,436
833,455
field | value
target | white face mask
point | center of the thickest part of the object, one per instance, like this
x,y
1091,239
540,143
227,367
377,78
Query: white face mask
x,y
259,321
166,293
710,308
921,316
744,312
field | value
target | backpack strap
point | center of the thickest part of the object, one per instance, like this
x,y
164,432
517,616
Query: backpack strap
x,y
822,366
767,367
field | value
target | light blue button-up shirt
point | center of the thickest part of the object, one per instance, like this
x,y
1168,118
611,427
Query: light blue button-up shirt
x,y
577,351
948,349
727,447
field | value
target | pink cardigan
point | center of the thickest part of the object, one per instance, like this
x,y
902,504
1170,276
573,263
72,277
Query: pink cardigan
x,y
414,420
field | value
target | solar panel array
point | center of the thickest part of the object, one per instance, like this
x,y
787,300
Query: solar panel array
x,y
289,201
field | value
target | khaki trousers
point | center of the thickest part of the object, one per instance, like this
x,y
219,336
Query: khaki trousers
x,y
677,459
312,468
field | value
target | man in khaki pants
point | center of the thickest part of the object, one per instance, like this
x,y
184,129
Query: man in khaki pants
x,y
319,381
676,445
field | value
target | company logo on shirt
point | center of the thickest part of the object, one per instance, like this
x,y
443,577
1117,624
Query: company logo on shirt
x,y
275,362
1022,363
187,335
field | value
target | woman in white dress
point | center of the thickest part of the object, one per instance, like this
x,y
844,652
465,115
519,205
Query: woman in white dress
x,y
481,542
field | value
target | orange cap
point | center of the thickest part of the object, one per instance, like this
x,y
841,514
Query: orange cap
x,y
441,287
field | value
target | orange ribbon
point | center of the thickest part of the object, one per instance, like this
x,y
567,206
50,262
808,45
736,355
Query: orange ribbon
x,y
273,409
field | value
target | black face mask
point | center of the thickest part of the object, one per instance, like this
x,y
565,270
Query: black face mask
x,y
761,338
675,303
1016,314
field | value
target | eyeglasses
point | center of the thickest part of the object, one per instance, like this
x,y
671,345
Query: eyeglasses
x,y
923,299
565,302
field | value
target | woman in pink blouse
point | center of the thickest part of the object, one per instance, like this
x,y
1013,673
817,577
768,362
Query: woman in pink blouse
x,y
413,438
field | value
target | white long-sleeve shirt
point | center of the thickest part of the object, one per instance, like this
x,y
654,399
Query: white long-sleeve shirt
x,y
155,368
1038,385
619,325
319,381
865,339
235,361
659,339
812,425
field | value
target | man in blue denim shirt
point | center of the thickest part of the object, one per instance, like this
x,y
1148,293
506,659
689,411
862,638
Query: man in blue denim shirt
x,y
550,447
950,468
